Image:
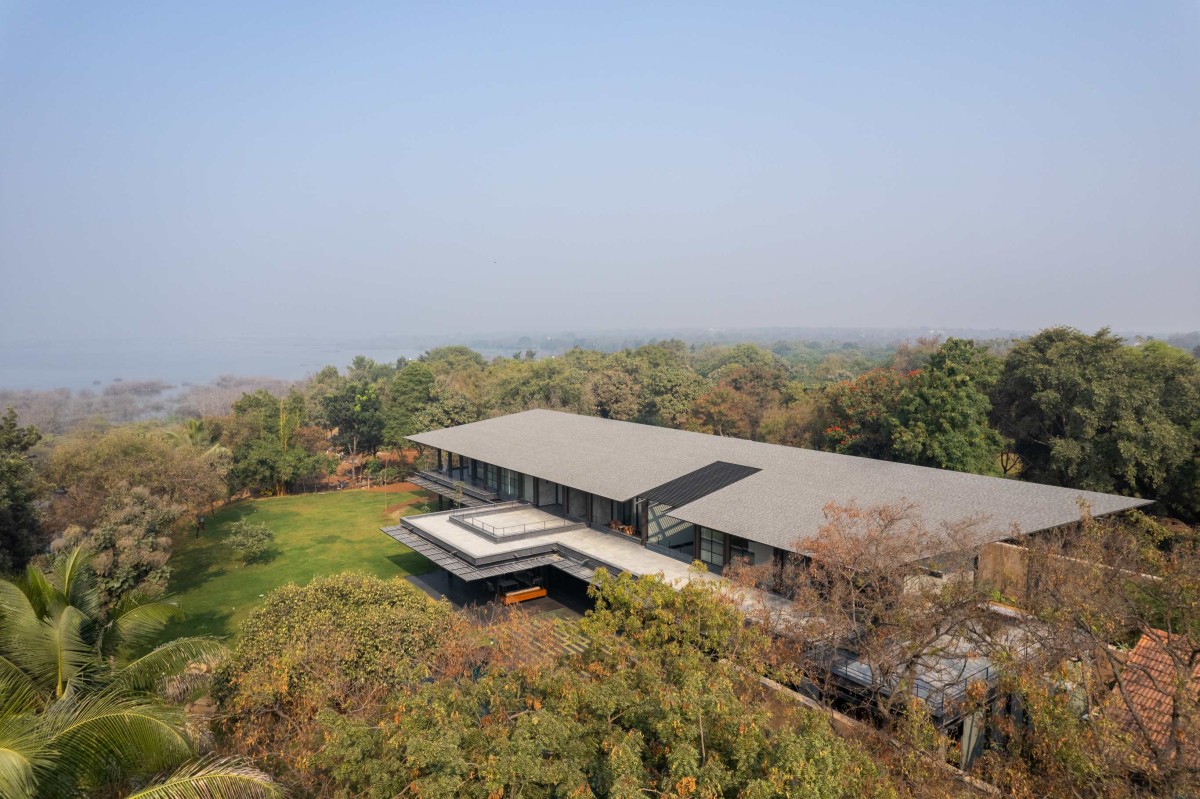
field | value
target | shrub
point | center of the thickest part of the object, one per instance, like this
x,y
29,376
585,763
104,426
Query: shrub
x,y
343,643
250,540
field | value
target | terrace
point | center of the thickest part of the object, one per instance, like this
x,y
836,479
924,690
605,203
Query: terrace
x,y
505,537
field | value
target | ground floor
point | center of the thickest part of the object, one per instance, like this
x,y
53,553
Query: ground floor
x,y
566,596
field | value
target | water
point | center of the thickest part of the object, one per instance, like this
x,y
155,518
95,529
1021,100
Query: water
x,y
98,363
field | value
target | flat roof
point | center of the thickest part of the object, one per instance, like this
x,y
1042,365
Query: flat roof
x,y
780,503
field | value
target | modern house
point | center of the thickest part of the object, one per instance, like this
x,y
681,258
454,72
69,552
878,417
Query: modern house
x,y
544,498
533,477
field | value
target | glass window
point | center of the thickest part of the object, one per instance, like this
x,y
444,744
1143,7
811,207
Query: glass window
x,y
493,481
666,532
509,482
740,548
712,547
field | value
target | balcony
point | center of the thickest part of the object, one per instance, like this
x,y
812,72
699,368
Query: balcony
x,y
473,493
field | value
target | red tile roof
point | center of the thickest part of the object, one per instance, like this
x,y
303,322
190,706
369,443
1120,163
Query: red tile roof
x,y
1151,690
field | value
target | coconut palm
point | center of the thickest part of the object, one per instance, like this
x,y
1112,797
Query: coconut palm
x,y
197,434
82,703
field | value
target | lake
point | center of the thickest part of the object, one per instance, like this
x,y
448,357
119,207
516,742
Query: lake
x,y
95,364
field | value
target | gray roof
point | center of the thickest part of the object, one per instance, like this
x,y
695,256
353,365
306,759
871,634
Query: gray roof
x,y
777,505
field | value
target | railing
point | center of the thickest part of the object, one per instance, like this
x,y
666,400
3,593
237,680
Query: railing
x,y
500,531
469,487
939,694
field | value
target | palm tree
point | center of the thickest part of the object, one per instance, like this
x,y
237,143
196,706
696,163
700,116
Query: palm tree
x,y
198,434
82,713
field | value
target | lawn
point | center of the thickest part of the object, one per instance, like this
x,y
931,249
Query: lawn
x,y
315,535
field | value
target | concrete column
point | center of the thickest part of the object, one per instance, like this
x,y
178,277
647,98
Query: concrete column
x,y
973,739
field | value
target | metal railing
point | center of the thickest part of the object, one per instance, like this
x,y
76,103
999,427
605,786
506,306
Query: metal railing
x,y
468,486
500,531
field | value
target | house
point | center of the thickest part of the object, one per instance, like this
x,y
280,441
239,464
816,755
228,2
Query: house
x,y
540,483
544,498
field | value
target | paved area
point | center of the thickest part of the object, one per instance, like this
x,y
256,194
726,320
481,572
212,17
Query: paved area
x,y
514,520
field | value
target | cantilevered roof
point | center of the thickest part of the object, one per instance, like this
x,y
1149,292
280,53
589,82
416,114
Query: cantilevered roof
x,y
778,504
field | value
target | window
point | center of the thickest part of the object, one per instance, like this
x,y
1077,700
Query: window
x,y
740,548
510,482
712,547
493,481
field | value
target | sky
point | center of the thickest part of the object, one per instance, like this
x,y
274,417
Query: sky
x,y
293,168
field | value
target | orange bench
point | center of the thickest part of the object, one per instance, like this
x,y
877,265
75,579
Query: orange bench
x,y
513,597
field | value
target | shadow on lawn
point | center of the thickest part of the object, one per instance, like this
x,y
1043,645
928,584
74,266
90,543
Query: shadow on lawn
x,y
193,575
412,562
212,622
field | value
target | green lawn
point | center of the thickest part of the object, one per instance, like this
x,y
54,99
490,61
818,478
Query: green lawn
x,y
315,535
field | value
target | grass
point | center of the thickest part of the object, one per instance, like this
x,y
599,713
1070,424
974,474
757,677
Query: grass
x,y
315,535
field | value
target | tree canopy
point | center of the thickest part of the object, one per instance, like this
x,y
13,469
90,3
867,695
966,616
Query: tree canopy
x,y
20,526
1089,412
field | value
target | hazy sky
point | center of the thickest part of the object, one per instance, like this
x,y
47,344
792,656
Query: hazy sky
x,y
175,168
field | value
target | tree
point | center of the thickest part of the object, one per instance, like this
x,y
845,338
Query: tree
x,y
723,411
20,530
367,370
867,584
128,547
444,360
341,643
654,704
274,448
1089,412
941,416
249,540
81,705
1100,721
862,412
615,395
797,422
758,388
448,408
89,469
355,411
410,390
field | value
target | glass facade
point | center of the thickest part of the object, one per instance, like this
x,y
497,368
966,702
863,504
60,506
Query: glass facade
x,y
510,483
712,547
668,534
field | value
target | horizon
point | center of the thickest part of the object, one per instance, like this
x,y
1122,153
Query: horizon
x,y
96,363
